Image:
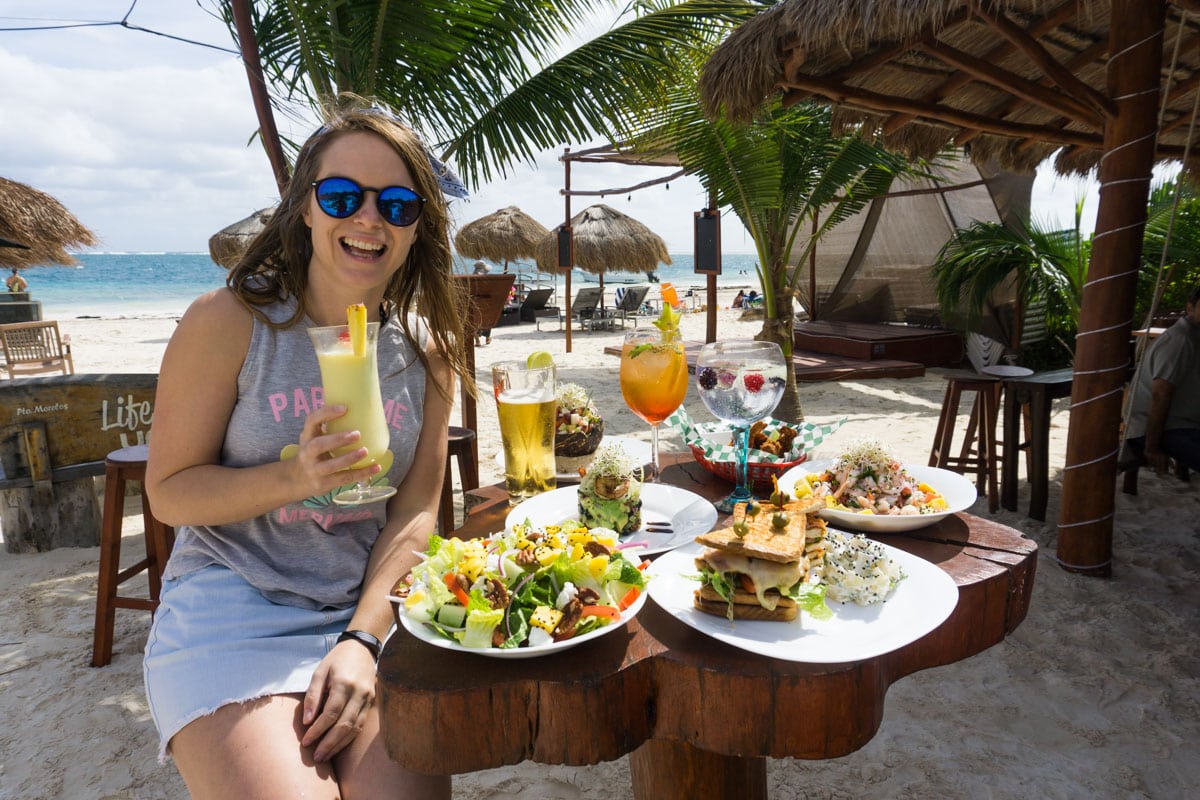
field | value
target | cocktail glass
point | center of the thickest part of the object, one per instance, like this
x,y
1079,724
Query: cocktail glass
x,y
654,381
740,382
352,380
526,405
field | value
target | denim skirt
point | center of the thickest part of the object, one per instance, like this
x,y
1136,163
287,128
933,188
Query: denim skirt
x,y
216,640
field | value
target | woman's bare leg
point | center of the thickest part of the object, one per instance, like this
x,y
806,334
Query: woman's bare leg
x,y
251,751
365,771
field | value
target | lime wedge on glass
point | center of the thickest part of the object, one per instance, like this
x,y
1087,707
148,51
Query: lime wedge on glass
x,y
539,359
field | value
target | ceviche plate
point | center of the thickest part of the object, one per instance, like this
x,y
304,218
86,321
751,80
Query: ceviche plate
x,y
920,603
427,634
959,493
687,513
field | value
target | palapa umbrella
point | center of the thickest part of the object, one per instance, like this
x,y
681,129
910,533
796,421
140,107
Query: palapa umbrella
x,y
502,236
1105,83
226,246
38,227
605,240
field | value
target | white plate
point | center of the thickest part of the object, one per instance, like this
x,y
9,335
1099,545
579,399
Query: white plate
x,y
1006,371
959,492
428,634
688,513
636,449
920,603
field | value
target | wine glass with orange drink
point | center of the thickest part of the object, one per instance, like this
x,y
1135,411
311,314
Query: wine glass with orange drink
x,y
654,376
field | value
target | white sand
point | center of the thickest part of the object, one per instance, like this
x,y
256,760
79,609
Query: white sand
x,y
1095,695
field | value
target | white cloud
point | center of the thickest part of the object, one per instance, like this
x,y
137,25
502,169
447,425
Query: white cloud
x,y
147,140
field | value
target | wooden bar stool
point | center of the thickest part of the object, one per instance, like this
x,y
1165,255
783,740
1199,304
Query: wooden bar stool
x,y
126,464
979,449
461,446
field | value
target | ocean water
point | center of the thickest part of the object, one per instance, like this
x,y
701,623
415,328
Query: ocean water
x,y
115,285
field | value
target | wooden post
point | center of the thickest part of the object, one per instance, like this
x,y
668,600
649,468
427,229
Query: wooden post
x,y
1106,314
567,222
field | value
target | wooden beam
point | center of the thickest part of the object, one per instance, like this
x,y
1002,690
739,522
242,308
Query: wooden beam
x,y
872,61
1085,56
1066,11
1056,72
840,94
1015,85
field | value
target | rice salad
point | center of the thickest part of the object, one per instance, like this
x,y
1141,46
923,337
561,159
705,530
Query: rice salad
x,y
857,570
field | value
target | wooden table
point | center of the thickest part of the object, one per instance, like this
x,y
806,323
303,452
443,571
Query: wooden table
x,y
698,717
1038,391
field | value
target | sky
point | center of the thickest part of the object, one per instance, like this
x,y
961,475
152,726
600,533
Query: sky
x,y
147,140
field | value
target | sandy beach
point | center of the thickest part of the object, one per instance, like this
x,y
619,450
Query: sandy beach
x,y
1096,695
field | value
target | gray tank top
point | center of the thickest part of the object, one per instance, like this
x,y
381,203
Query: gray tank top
x,y
311,554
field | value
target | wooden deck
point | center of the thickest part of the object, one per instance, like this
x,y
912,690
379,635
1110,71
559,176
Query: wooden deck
x,y
933,347
813,367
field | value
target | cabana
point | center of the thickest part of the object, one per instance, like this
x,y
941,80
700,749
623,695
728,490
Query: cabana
x,y
1109,85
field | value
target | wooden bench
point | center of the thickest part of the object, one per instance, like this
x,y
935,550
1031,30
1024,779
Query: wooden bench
x,y
55,433
33,347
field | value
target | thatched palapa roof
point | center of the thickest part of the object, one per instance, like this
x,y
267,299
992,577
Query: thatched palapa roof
x,y
42,224
1013,79
502,236
605,240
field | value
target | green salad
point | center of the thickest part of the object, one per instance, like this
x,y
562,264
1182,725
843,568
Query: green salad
x,y
525,587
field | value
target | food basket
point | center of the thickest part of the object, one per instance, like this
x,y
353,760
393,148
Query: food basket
x,y
758,473
709,443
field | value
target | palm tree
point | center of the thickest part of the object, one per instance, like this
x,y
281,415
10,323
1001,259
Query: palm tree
x,y
477,78
1041,266
778,174
1176,222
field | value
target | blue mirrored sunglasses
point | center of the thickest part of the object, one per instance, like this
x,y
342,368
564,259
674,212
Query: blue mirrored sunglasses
x,y
342,197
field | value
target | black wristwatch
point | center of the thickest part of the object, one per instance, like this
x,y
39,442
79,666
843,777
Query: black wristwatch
x,y
365,639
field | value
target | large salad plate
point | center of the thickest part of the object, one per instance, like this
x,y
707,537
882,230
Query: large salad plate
x,y
959,492
687,513
427,634
920,603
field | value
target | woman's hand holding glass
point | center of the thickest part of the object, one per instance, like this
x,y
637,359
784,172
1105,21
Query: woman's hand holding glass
x,y
317,471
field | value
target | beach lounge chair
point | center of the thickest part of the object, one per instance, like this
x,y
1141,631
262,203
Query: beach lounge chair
x,y
629,304
585,308
534,305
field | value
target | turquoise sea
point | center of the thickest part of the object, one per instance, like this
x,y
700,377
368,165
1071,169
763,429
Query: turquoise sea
x,y
114,285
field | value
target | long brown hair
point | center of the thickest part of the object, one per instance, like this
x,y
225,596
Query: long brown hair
x,y
275,265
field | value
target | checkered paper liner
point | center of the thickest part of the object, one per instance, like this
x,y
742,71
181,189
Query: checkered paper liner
x,y
693,433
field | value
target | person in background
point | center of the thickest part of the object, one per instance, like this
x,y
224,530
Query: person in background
x,y
739,299
1164,416
260,666
16,283
483,335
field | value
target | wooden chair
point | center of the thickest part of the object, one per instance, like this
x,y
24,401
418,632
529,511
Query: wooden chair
x,y
33,347
462,447
121,466
979,452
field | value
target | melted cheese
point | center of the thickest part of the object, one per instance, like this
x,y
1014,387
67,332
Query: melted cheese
x,y
764,574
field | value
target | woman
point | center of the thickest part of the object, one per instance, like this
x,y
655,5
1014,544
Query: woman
x,y
260,665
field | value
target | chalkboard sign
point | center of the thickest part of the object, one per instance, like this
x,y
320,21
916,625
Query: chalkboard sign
x,y
707,255
566,255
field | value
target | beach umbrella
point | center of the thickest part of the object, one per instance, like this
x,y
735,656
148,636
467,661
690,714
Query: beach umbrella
x,y
227,245
502,236
605,240
38,228
1106,84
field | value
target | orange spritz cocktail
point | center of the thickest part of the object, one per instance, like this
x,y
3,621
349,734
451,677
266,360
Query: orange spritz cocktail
x,y
654,376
